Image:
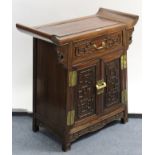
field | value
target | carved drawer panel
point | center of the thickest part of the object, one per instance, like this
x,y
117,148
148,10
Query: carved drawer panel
x,y
92,47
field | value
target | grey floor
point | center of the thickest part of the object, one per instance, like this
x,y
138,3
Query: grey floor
x,y
116,139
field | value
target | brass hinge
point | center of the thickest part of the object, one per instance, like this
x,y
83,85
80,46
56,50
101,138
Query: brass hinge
x,y
124,96
70,117
123,61
72,78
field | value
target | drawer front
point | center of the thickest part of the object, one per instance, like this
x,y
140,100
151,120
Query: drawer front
x,y
97,46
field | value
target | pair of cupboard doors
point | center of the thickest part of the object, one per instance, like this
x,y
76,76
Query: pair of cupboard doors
x,y
99,85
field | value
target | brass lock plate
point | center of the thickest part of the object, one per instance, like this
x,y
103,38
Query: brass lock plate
x,y
100,85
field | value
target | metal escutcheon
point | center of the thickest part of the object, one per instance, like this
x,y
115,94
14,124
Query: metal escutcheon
x,y
100,47
100,85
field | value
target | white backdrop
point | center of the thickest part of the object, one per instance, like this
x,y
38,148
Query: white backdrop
x,y
39,12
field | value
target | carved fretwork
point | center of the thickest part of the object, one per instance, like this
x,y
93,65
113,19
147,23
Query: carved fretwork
x,y
95,127
60,56
129,33
112,70
85,92
86,47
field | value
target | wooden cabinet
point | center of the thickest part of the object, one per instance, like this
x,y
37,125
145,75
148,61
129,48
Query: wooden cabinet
x,y
80,73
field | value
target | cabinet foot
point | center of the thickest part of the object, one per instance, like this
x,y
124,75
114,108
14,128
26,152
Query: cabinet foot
x,y
35,126
124,120
66,147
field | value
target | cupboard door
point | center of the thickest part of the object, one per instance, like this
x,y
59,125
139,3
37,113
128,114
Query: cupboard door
x,y
86,101
112,77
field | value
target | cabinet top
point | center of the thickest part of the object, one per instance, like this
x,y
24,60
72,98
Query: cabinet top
x,y
63,32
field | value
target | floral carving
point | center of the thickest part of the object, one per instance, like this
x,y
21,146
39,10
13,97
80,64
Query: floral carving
x,y
95,127
60,56
86,47
130,31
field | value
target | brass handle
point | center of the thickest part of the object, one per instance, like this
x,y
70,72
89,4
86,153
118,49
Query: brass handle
x,y
100,85
100,47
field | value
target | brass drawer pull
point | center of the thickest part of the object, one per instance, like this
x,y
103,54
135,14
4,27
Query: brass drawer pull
x,y
100,85
100,47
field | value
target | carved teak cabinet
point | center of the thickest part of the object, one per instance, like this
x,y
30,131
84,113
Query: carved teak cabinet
x,y
80,73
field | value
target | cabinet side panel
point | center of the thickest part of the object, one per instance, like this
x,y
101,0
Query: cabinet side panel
x,y
51,87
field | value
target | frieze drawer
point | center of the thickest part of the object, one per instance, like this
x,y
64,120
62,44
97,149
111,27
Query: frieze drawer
x,y
100,44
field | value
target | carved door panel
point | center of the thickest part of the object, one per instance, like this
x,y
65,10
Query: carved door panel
x,y
112,77
86,101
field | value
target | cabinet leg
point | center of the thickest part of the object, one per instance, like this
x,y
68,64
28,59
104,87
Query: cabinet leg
x,y
125,118
66,146
35,125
